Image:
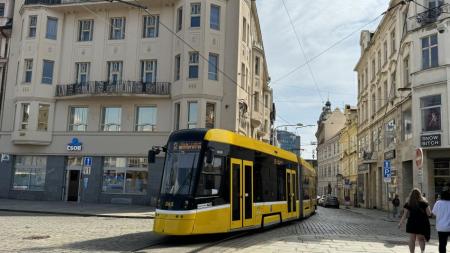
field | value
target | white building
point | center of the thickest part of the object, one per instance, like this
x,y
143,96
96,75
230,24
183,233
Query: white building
x,y
108,81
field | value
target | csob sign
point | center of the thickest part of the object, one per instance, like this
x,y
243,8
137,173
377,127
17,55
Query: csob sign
x,y
433,140
75,145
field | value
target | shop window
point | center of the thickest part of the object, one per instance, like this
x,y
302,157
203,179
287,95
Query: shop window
x,y
29,173
441,175
125,175
431,113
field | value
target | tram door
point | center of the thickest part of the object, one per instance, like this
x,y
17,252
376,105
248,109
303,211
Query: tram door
x,y
241,178
291,192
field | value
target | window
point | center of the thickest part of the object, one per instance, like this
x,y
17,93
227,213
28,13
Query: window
x,y
406,72
266,101
78,119
379,99
213,67
374,107
393,42
193,65
43,117
256,101
151,26
32,24
125,175
145,118
28,70
111,119
114,71
373,69
52,28
431,113
177,116
25,116
243,76
257,65
2,9
82,69
180,19
379,60
195,14
430,57
385,52
244,30
386,99
210,180
148,70
214,21
177,67
393,86
389,133
85,30
117,30
407,125
210,115
29,173
192,115
47,72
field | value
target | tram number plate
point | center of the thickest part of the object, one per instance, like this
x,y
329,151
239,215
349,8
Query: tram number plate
x,y
204,205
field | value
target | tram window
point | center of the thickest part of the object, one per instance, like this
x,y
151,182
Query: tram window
x,y
281,184
211,177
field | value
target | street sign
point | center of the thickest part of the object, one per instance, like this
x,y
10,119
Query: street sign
x,y
87,161
419,158
86,170
387,174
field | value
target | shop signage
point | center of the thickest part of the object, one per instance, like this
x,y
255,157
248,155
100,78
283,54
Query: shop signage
x,y
363,168
4,158
87,161
433,140
389,155
75,145
419,158
86,170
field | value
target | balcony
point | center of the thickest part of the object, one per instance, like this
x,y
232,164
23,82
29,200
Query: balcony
x,y
430,16
43,2
106,88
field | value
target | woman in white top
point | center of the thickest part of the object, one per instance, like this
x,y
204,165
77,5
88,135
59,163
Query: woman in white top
x,y
441,210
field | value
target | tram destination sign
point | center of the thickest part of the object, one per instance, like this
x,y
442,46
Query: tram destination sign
x,y
433,140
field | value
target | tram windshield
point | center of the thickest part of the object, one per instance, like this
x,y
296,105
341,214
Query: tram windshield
x,y
180,166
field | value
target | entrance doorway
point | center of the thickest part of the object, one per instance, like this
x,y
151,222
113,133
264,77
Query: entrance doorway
x,y
73,185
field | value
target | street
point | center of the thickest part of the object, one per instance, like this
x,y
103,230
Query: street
x,y
330,230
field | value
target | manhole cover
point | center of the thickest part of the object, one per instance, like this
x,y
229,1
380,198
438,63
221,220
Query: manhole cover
x,y
37,237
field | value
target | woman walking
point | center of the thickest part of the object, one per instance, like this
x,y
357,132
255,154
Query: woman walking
x,y
417,211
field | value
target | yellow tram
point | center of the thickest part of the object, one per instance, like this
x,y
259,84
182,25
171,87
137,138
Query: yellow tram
x,y
216,181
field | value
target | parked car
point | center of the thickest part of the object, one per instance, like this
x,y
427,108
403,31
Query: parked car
x,y
321,200
331,201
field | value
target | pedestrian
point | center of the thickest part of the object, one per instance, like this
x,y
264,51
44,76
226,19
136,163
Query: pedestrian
x,y
417,211
441,210
395,205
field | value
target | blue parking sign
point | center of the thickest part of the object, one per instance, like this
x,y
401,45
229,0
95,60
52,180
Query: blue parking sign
x,y
387,171
88,161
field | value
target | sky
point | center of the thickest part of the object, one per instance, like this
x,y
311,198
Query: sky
x,y
319,24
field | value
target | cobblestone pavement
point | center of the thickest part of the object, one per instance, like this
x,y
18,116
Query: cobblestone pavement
x,y
330,230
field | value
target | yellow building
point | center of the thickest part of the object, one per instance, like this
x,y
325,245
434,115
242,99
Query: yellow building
x,y
347,188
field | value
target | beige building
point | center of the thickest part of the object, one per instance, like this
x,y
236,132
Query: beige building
x,y
92,86
6,12
349,156
328,150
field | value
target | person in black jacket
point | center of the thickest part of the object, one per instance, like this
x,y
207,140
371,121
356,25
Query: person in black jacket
x,y
417,211
395,205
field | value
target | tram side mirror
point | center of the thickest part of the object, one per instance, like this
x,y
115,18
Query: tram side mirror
x,y
151,156
209,156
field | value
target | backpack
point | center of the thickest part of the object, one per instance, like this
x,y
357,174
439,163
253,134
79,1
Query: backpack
x,y
396,202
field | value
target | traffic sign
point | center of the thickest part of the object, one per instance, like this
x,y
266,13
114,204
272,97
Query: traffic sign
x,y
419,158
87,161
387,173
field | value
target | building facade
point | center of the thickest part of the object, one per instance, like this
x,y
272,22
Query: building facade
x,y
6,13
349,156
402,103
289,141
329,124
92,86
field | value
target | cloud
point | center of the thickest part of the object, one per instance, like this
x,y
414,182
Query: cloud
x,y
319,23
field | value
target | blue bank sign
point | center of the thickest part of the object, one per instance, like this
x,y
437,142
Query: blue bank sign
x,y
75,145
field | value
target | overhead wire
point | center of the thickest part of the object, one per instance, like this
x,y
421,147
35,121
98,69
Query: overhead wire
x,y
297,36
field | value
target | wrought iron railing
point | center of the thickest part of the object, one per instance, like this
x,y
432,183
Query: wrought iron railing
x,y
111,88
430,15
45,2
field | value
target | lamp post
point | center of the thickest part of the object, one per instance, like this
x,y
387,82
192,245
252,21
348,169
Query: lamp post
x,y
289,125
300,141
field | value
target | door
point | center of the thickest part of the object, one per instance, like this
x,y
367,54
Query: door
x,y
291,194
241,179
73,185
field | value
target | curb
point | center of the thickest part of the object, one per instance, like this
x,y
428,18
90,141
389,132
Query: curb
x,y
81,214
